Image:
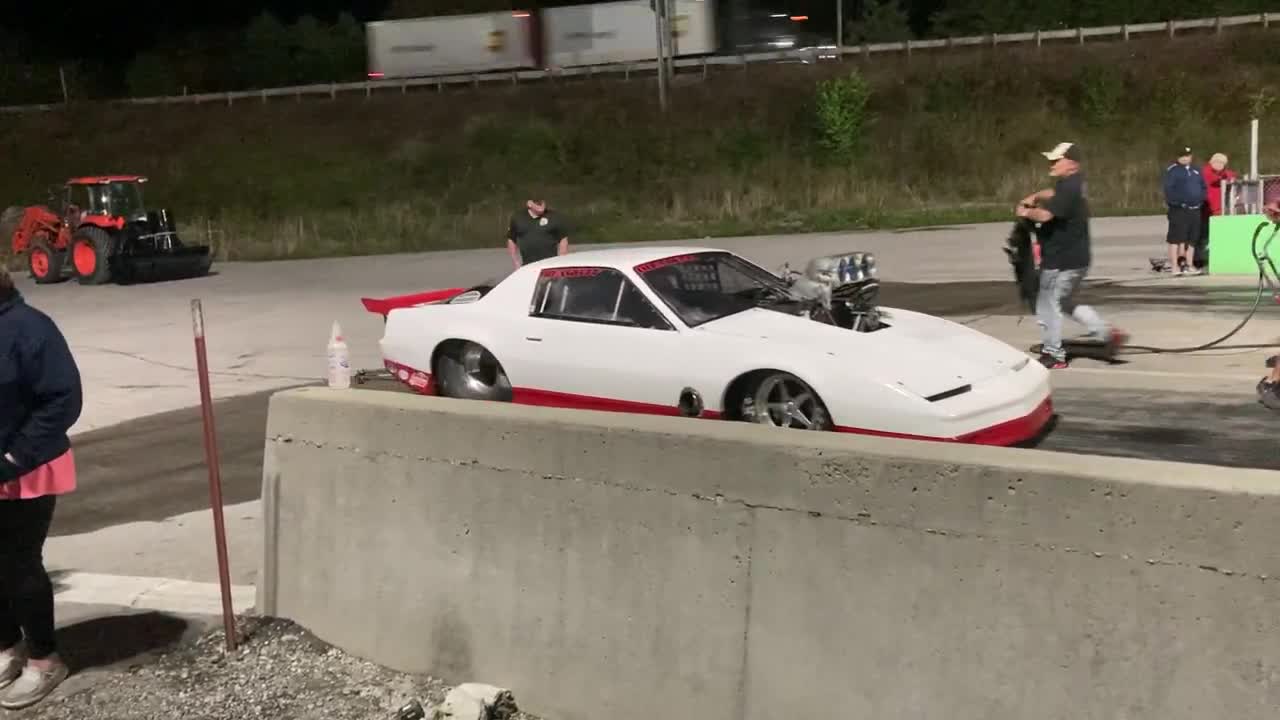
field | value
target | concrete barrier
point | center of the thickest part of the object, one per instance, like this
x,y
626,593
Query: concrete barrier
x,y
615,566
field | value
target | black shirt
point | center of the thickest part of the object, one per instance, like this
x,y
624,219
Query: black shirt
x,y
1066,236
537,237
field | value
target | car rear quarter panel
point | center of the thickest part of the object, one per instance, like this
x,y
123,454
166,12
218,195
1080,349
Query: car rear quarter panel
x,y
411,335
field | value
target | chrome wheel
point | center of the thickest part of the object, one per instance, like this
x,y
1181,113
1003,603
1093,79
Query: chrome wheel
x,y
783,400
468,371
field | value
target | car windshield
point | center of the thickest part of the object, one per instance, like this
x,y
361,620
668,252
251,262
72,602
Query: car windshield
x,y
706,286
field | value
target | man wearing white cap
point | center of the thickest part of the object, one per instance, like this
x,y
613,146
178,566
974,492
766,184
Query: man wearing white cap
x,y
1065,255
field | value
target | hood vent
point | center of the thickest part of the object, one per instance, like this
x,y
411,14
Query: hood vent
x,y
950,393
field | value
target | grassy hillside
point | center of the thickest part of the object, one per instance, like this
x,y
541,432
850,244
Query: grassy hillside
x,y
948,136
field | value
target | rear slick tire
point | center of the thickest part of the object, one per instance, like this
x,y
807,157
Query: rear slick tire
x,y
90,253
468,371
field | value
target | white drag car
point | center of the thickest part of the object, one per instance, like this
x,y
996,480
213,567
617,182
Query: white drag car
x,y
704,333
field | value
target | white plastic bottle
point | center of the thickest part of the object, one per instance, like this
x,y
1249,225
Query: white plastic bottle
x,y
339,361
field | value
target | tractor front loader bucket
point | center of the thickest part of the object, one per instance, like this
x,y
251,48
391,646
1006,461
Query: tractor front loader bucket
x,y
156,254
173,264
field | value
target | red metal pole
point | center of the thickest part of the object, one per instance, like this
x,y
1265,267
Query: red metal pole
x,y
215,479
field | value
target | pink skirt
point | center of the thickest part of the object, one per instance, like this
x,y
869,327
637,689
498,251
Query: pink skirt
x,y
56,477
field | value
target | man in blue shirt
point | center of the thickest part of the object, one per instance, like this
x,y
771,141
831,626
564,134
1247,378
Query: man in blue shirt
x,y
1185,191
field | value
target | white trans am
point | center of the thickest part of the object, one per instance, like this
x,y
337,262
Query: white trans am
x,y
705,333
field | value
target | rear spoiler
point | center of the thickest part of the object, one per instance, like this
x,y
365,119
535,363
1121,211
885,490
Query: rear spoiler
x,y
383,306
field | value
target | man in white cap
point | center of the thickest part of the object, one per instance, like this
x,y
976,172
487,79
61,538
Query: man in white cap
x,y
1065,255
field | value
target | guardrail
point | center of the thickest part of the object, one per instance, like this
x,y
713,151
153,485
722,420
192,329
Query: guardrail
x,y
1170,27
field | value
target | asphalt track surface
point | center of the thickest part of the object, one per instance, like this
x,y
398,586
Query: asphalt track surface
x,y
125,478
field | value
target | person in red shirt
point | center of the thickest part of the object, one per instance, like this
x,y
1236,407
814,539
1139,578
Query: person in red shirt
x,y
1215,172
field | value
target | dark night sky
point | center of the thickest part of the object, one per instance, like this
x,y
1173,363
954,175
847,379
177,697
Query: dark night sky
x,y
103,29
117,17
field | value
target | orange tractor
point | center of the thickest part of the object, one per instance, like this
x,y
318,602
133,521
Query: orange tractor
x,y
99,231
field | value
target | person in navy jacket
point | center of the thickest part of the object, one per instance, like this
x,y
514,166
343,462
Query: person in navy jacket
x,y
1185,191
40,400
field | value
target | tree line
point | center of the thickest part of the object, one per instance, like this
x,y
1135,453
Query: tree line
x,y
899,20
269,52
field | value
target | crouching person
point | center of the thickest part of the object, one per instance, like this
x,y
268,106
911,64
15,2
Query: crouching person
x,y
40,399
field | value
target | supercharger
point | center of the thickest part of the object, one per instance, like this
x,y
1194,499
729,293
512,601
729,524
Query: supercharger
x,y
844,289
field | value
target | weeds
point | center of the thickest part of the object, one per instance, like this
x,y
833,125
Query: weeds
x,y
842,114
946,137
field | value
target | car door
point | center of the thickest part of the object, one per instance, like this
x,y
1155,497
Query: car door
x,y
593,340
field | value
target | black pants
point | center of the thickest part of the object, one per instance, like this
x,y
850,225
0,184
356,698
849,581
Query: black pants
x,y
1200,249
1184,226
26,595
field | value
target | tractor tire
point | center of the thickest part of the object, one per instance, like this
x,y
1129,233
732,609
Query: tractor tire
x,y
46,264
90,253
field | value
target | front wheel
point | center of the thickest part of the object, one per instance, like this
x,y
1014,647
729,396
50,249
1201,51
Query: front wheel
x,y
45,263
782,400
468,371
91,255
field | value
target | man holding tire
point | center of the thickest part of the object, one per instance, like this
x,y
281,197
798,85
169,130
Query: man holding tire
x,y
1185,192
1064,215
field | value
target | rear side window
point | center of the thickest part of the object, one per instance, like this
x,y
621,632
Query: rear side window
x,y
593,294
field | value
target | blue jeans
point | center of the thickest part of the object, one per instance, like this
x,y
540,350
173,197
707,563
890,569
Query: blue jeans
x,y
1057,296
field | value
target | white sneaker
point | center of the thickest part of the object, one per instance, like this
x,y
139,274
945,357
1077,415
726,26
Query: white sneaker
x,y
32,686
11,662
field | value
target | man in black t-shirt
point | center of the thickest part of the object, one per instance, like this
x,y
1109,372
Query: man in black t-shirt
x,y
536,233
1065,255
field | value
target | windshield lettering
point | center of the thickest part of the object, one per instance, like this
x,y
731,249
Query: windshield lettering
x,y
571,272
664,262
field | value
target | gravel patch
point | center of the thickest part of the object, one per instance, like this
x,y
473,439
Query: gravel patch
x,y
278,671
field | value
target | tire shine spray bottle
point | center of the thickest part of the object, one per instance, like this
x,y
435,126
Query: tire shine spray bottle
x,y
339,360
